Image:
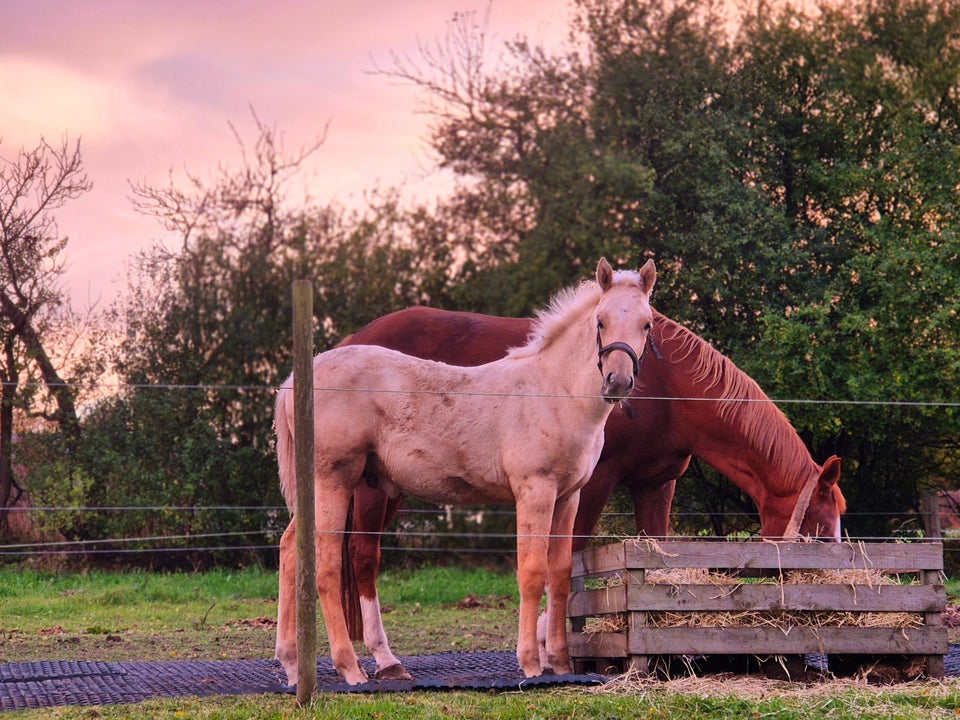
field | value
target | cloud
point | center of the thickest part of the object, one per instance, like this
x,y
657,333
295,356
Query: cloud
x,y
151,85
39,98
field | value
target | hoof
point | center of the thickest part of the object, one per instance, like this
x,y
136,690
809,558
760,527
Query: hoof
x,y
393,672
356,678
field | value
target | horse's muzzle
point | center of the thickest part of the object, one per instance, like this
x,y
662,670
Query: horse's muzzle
x,y
616,387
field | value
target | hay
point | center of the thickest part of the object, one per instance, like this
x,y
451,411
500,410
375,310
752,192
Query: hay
x,y
702,576
613,623
782,619
604,581
757,688
677,577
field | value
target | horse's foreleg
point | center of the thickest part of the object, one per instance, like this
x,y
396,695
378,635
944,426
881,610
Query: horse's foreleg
x,y
534,510
332,506
593,498
559,567
651,508
286,650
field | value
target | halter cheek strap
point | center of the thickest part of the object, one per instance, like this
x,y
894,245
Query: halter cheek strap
x,y
800,510
653,346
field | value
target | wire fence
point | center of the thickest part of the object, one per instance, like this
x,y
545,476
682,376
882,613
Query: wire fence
x,y
403,537
99,388
400,538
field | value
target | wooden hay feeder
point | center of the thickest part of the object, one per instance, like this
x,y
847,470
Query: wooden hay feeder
x,y
635,599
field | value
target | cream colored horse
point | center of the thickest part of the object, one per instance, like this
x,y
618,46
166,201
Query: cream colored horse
x,y
527,430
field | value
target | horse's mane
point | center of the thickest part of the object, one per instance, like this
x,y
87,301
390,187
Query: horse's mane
x,y
741,401
551,322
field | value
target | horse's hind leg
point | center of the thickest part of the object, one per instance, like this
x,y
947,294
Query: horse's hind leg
x,y
286,650
333,502
345,662
370,517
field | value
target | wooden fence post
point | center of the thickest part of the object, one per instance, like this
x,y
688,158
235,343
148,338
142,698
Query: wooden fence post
x,y
930,510
306,575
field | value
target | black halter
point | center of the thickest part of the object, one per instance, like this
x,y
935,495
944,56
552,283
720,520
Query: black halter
x,y
603,350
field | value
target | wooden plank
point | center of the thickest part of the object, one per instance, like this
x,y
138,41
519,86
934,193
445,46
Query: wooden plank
x,y
772,641
597,602
760,597
597,645
592,561
895,557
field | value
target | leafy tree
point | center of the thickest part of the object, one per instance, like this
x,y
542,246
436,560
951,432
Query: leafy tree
x,y
514,138
35,317
665,98
792,170
206,340
857,112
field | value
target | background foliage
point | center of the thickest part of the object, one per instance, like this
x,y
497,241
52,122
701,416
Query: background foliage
x,y
792,169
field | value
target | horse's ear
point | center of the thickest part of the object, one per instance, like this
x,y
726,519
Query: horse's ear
x,y
830,475
604,275
648,273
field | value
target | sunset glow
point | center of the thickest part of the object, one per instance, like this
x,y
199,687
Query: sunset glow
x,y
151,87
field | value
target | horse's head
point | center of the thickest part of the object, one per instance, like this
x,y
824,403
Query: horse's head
x,y
818,510
624,318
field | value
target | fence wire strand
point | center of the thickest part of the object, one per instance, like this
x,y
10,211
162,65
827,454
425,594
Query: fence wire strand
x,y
120,545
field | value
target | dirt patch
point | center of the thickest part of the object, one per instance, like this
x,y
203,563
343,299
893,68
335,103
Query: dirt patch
x,y
242,640
490,602
260,623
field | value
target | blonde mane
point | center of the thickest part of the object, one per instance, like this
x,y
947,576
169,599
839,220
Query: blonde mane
x,y
553,320
741,402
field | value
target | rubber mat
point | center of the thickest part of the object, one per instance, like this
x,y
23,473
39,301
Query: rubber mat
x,y
53,683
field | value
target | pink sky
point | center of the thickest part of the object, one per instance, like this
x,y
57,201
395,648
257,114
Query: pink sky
x,y
149,86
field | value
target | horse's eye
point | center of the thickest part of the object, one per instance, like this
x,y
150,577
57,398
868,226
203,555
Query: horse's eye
x,y
599,324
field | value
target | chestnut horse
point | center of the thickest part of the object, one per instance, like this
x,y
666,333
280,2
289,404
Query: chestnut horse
x,y
526,429
690,400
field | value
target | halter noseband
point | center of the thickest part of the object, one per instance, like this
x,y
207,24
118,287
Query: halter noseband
x,y
604,350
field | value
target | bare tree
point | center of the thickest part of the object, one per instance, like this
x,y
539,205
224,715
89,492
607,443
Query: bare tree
x,y
32,187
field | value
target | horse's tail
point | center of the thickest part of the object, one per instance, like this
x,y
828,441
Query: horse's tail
x,y
286,459
349,590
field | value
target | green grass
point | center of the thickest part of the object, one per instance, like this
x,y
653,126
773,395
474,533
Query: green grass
x,y
220,615
227,615
662,701
32,601
952,586
445,585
